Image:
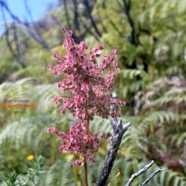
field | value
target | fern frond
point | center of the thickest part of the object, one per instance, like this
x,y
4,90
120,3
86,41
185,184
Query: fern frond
x,y
160,117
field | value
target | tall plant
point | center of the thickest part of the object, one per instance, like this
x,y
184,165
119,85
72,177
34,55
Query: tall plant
x,y
89,84
89,96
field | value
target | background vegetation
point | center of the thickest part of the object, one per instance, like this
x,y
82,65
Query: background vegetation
x,y
150,38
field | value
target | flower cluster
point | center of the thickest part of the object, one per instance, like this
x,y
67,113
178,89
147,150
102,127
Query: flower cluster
x,y
90,84
77,140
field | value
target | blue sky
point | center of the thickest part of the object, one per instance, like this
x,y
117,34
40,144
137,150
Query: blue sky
x,y
37,8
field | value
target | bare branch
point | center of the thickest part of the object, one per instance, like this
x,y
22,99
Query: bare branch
x,y
88,29
67,14
18,48
8,42
35,27
86,3
28,10
134,37
30,31
76,15
116,28
118,132
152,176
135,175
116,138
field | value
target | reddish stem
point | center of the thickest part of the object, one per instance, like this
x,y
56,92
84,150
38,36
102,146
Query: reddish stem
x,y
86,172
85,162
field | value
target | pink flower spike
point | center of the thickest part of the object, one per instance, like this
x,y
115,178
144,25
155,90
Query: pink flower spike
x,y
88,83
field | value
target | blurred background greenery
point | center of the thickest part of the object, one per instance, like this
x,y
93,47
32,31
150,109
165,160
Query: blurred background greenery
x,y
150,38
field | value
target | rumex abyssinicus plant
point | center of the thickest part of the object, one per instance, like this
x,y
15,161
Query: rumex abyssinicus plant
x,y
90,84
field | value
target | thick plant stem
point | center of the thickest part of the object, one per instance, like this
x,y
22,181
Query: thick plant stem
x,y
85,172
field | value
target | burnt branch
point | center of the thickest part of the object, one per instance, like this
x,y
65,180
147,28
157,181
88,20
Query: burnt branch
x,y
28,10
152,176
135,175
86,3
67,14
31,18
143,170
118,131
6,34
18,49
88,29
134,36
76,15
115,27
31,32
